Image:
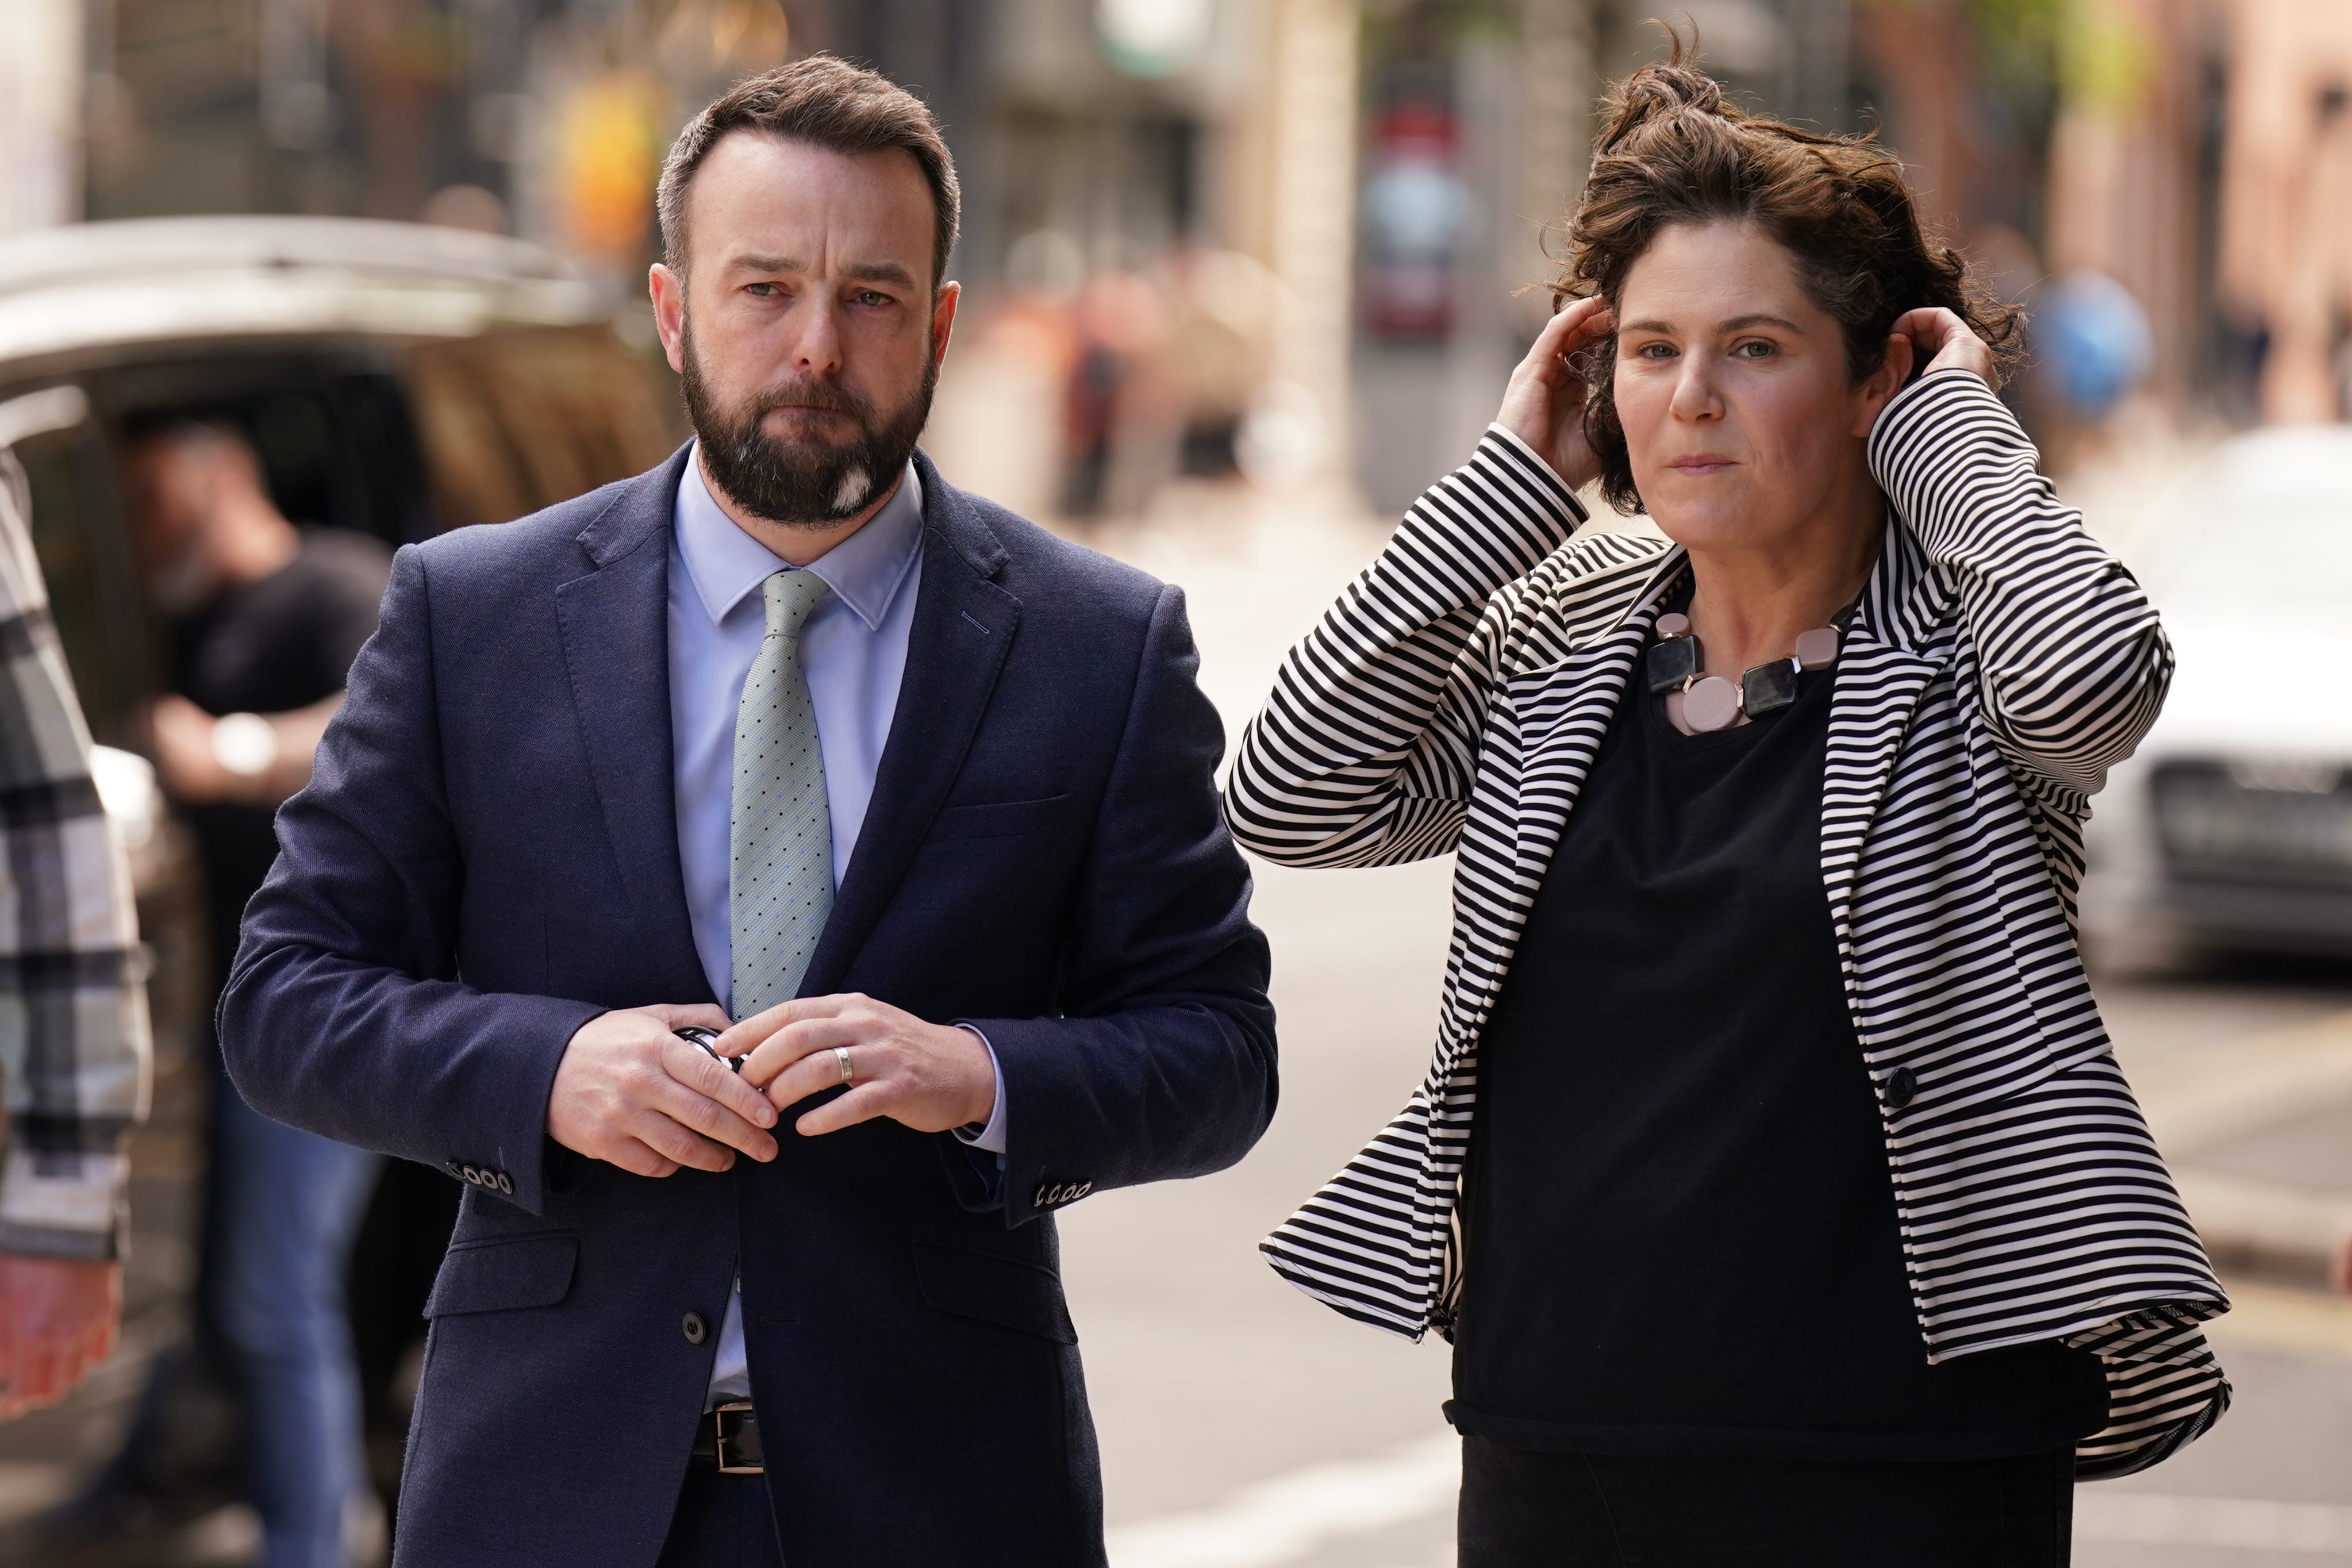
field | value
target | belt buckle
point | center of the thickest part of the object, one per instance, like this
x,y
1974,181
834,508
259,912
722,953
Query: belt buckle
x,y
719,1435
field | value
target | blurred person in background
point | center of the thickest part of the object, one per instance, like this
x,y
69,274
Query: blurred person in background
x,y
265,618
73,1013
1775,1181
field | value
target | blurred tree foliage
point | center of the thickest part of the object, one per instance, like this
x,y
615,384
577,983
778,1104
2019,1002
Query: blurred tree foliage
x,y
2021,44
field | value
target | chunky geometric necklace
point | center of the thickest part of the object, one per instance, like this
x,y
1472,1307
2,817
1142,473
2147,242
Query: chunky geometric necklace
x,y
1713,702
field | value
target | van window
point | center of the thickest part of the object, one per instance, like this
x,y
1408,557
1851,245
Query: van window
x,y
516,421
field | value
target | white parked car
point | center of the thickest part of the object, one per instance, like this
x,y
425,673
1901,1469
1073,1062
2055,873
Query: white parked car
x,y
2232,827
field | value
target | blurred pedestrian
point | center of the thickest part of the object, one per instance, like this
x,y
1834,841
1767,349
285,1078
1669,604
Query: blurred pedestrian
x,y
73,1012
925,793
265,618
1775,1181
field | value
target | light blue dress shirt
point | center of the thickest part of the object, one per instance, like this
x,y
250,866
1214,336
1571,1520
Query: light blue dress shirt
x,y
854,655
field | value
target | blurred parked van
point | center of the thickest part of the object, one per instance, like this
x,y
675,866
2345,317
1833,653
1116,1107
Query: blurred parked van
x,y
393,378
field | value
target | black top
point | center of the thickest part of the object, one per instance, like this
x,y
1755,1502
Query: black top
x,y
1681,1233
270,646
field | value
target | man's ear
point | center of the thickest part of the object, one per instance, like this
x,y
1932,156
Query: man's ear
x,y
943,313
667,288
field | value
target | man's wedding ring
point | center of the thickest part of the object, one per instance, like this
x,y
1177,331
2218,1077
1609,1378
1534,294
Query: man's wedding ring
x,y
841,1054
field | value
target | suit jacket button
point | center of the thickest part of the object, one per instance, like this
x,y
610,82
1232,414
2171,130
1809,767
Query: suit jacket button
x,y
472,1175
454,1168
1900,1088
694,1328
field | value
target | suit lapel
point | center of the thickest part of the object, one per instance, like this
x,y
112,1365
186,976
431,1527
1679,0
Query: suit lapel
x,y
616,630
963,626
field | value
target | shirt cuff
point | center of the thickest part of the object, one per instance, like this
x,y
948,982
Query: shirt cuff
x,y
67,1204
991,1137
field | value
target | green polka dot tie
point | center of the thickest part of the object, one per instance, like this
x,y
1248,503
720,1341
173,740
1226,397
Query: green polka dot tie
x,y
780,832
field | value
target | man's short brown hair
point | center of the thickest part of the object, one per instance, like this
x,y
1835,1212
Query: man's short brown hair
x,y
830,103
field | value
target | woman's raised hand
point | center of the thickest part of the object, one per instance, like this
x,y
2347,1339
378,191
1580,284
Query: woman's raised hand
x,y
1544,405
1940,337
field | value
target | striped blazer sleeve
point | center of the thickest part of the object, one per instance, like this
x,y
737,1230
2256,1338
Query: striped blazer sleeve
x,y
2072,664
1365,753
73,1011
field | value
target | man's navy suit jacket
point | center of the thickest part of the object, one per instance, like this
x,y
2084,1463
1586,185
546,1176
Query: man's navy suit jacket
x,y
486,858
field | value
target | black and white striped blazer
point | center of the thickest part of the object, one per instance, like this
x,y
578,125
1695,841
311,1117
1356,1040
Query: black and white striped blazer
x,y
2000,662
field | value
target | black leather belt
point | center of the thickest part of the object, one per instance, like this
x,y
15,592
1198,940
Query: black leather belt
x,y
728,1440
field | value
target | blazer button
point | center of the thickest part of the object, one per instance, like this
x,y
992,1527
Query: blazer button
x,y
1900,1088
694,1328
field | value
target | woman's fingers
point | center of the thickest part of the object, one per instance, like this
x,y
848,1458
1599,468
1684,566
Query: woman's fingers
x,y
1940,340
1550,358
1928,328
1546,394
1567,322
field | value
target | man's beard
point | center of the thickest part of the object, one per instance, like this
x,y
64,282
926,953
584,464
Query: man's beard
x,y
807,483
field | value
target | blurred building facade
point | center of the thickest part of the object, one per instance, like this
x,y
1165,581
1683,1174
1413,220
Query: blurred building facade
x,y
40,113
1294,238
2200,156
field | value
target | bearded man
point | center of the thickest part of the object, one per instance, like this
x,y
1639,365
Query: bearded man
x,y
791,741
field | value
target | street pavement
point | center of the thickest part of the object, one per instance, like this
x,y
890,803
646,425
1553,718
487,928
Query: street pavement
x,y
1244,1426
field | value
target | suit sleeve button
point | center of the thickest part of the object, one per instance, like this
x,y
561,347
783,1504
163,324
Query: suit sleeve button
x,y
694,1328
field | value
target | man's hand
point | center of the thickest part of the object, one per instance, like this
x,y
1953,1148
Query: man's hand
x,y
1943,341
633,1094
1544,404
57,1321
931,1076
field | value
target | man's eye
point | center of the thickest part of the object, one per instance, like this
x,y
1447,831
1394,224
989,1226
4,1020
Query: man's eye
x,y
868,297
764,290
1755,348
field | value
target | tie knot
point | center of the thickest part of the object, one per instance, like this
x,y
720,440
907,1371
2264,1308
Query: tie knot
x,y
791,596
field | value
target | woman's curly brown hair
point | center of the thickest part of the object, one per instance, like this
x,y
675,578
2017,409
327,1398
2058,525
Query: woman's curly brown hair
x,y
1673,152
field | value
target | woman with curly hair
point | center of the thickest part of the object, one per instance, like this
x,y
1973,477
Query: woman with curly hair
x,y
1774,1181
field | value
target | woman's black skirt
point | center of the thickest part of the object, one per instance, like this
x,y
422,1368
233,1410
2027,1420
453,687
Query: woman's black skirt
x,y
1526,1509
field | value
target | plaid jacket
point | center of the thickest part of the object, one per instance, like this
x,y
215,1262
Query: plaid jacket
x,y
73,1011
